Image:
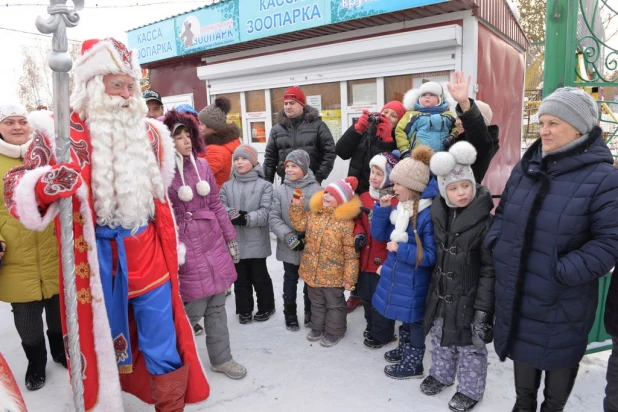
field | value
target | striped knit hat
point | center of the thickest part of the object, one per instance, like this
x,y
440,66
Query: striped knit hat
x,y
248,152
342,190
385,162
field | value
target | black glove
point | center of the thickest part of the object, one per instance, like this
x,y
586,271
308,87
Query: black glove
x,y
297,242
360,241
365,210
482,328
240,219
449,141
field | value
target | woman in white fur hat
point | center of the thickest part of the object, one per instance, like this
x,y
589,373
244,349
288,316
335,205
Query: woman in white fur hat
x,y
29,265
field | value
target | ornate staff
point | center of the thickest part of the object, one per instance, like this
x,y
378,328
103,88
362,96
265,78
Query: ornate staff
x,y
60,17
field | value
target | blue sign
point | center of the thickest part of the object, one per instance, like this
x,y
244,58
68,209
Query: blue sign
x,y
263,18
207,28
154,42
228,23
344,10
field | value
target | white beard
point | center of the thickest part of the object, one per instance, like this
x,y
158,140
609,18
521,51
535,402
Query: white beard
x,y
125,171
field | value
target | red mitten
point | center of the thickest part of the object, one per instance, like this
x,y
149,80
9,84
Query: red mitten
x,y
362,123
62,180
384,129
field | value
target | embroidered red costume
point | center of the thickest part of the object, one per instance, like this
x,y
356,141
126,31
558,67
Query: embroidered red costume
x,y
151,256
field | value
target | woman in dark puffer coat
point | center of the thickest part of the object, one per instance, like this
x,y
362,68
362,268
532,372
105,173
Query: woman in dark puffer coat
x,y
555,233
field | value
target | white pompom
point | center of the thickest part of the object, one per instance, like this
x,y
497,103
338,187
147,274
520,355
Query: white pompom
x,y
464,153
442,163
185,193
202,187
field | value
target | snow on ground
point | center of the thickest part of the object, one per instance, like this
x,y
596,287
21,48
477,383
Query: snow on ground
x,y
287,372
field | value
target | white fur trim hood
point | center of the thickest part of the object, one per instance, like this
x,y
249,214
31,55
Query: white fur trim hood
x,y
411,98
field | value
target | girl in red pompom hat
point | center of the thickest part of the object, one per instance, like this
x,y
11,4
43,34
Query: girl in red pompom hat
x,y
329,264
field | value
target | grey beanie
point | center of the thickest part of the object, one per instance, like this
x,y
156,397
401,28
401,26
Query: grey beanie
x,y
215,115
300,158
571,105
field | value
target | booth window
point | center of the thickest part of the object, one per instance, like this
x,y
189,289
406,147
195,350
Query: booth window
x,y
395,87
255,101
325,97
234,116
362,92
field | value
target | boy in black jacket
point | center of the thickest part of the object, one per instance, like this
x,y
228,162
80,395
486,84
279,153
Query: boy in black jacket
x,y
460,300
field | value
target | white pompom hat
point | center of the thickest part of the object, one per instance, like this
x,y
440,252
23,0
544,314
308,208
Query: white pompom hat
x,y
454,166
185,193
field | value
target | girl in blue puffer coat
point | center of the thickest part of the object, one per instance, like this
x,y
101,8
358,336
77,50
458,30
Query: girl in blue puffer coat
x,y
404,277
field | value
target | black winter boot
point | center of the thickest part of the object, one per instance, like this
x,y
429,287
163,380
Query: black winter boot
x,y
431,386
558,387
56,347
461,403
291,320
527,382
37,359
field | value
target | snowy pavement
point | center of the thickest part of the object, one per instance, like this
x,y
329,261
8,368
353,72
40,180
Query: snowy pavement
x,y
288,373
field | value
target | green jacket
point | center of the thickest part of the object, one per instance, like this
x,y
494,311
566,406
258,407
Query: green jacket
x,y
29,269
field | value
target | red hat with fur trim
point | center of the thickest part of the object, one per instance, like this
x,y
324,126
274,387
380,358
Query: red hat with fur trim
x,y
107,56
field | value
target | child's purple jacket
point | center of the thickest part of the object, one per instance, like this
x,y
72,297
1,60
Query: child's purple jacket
x,y
204,229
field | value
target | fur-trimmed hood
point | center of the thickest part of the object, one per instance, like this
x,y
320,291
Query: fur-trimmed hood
x,y
223,136
174,117
310,114
411,98
346,211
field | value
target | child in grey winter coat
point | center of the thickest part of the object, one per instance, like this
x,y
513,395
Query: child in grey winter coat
x,y
290,242
247,197
460,301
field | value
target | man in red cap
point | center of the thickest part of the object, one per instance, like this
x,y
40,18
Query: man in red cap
x,y
134,333
299,126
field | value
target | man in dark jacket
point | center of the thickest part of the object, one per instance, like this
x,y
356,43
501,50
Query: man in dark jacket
x,y
299,126
610,403
367,138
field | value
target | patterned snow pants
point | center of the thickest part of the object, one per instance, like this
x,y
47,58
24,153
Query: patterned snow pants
x,y
472,369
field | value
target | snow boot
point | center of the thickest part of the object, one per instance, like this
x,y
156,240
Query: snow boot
x,y
352,303
291,320
527,382
198,329
314,335
367,332
410,366
431,386
56,348
461,403
168,390
373,343
330,340
37,360
231,368
394,356
245,318
263,316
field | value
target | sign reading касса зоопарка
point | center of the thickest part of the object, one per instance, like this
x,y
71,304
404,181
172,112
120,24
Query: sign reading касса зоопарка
x,y
235,21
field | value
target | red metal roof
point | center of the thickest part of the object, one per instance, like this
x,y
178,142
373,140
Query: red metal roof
x,y
495,12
